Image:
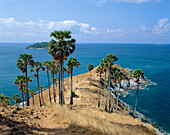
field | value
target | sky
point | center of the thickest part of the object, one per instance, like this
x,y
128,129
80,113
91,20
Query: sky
x,y
90,21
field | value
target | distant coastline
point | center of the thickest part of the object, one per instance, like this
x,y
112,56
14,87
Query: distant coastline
x,y
42,45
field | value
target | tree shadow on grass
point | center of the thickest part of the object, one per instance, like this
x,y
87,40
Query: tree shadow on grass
x,y
11,127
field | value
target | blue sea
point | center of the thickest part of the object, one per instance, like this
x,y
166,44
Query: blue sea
x,y
153,59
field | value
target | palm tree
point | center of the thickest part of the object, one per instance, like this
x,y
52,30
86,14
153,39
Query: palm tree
x,y
71,63
64,69
20,81
77,65
138,73
17,98
90,67
38,67
104,64
32,93
22,63
47,64
60,50
4,101
54,70
99,71
120,76
68,72
111,58
41,89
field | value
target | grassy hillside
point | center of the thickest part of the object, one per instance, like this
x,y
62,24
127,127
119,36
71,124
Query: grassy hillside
x,y
83,117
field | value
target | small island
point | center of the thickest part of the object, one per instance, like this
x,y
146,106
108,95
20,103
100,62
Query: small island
x,y
42,45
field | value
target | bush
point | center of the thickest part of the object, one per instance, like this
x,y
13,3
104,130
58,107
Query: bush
x,y
74,95
14,111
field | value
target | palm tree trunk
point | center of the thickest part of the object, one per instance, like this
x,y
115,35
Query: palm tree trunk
x,y
27,96
109,88
42,97
105,92
118,97
48,85
54,87
77,74
71,94
134,113
68,81
33,99
59,87
63,90
112,104
61,72
38,89
22,96
99,92
90,78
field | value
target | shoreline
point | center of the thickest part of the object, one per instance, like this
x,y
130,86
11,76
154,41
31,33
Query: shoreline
x,y
142,118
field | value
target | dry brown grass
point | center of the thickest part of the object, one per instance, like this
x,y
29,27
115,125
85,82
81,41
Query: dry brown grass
x,y
84,111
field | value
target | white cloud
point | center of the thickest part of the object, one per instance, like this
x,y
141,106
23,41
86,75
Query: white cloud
x,y
9,26
143,28
162,26
118,32
100,2
137,1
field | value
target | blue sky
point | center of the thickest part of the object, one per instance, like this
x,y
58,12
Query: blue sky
x,y
91,21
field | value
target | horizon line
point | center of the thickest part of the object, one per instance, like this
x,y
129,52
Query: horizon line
x,y
87,43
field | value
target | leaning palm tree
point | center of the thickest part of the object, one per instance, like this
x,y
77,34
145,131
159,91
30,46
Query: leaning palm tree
x,y
60,49
71,63
104,65
20,81
32,93
38,67
111,58
90,67
22,63
138,73
77,65
99,71
47,64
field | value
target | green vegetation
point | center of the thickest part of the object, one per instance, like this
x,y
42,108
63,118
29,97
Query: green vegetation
x,y
4,101
100,72
43,45
60,49
90,67
138,73
71,63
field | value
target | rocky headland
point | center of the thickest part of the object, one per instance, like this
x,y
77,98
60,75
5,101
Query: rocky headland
x,y
83,117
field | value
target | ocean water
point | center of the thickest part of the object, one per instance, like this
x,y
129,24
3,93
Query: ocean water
x,y
154,60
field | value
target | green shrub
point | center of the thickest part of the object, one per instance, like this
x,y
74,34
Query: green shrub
x,y
74,95
14,111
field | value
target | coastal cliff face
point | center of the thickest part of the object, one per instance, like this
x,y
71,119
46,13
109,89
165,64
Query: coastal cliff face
x,y
83,117
129,83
